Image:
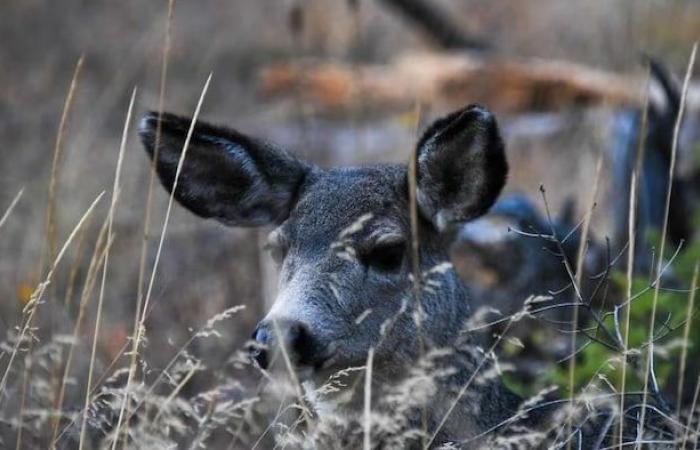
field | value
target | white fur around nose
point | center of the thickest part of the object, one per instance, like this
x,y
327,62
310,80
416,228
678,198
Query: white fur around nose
x,y
289,304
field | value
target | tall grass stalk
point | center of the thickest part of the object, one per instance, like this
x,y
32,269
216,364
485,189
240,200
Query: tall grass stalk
x,y
139,328
581,256
415,253
293,376
662,244
686,339
631,233
163,406
23,401
162,374
73,275
147,221
463,390
9,209
171,199
367,422
57,153
105,265
50,221
690,416
32,306
90,280
77,263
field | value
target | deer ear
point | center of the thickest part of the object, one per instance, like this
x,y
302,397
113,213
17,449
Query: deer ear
x,y
225,175
461,167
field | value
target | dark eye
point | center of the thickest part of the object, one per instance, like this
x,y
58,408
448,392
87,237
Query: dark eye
x,y
385,257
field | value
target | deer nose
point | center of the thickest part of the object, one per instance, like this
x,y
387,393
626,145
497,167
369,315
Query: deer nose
x,y
294,335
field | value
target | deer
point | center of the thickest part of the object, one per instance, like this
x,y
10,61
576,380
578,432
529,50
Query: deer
x,y
342,238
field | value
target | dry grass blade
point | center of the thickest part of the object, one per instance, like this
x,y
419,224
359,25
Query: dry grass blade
x,y
662,244
90,281
23,403
149,206
139,329
76,266
57,153
415,250
9,209
463,390
174,392
686,339
110,221
690,417
203,331
413,205
631,222
171,199
50,225
33,304
579,277
299,391
367,423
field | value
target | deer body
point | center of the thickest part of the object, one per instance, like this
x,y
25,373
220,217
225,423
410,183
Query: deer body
x,y
342,241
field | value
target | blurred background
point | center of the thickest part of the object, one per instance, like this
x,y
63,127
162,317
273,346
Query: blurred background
x,y
338,82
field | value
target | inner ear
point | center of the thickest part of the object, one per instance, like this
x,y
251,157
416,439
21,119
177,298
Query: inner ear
x,y
226,175
461,167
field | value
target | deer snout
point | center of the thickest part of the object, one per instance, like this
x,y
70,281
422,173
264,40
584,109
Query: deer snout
x,y
295,336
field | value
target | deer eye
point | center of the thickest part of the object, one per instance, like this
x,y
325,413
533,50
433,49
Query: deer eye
x,y
385,257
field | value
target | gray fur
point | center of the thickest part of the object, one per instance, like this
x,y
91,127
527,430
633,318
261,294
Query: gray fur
x,y
340,286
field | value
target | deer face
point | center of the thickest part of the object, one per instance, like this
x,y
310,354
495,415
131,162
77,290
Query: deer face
x,y
342,236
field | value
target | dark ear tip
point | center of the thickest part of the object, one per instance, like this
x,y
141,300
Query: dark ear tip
x,y
147,130
473,115
169,124
149,120
480,113
480,109
148,123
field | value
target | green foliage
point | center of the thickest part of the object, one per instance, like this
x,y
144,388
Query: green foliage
x,y
597,360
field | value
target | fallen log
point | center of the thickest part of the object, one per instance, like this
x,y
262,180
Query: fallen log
x,y
450,80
